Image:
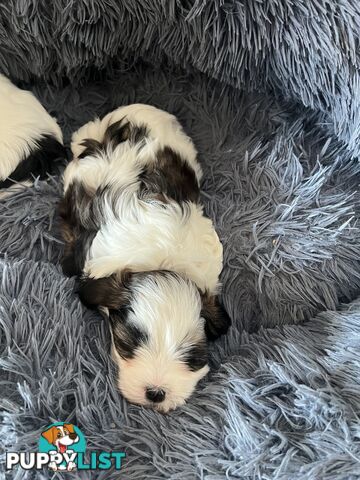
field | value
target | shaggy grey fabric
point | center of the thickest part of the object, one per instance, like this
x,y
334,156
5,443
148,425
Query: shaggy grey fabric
x,y
308,50
283,397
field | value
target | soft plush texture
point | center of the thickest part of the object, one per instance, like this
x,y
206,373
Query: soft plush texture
x,y
278,140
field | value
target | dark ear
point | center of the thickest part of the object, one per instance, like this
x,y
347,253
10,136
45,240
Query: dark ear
x,y
217,321
111,292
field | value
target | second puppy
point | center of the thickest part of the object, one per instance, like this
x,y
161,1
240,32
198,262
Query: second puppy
x,y
31,142
136,234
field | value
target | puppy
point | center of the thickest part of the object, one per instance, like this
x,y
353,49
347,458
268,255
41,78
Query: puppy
x,y
61,437
31,141
136,234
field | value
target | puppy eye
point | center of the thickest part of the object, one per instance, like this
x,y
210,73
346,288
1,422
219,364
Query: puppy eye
x,y
59,435
127,343
196,357
126,336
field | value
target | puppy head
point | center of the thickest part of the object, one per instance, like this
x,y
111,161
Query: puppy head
x,y
158,334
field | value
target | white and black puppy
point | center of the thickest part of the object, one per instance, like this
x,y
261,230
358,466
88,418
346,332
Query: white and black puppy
x,y
31,142
148,257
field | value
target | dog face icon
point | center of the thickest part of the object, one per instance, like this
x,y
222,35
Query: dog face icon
x,y
61,436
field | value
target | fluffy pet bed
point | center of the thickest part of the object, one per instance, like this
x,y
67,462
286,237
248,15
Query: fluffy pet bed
x,y
269,91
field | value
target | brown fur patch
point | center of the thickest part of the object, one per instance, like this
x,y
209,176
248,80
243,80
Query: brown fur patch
x,y
217,321
170,176
115,134
111,292
78,226
91,147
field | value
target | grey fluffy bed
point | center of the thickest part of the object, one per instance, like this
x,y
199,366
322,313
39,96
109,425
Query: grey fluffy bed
x,y
270,92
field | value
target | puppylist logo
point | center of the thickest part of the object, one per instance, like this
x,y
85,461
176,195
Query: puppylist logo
x,y
62,447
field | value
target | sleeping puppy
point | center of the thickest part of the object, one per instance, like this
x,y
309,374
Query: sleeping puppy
x,y
31,141
147,256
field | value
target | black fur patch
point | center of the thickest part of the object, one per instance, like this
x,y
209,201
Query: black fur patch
x,y
73,262
46,158
92,147
217,321
196,357
114,292
170,176
115,134
127,337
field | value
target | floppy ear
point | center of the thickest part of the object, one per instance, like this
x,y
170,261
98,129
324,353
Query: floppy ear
x,y
111,292
50,434
70,427
217,321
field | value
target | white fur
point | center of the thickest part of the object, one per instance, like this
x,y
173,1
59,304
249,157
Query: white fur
x,y
23,120
168,310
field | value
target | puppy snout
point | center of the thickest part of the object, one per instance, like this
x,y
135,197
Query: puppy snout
x,y
155,395
72,436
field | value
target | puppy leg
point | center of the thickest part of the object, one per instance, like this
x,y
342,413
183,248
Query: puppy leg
x,y
68,262
217,321
79,225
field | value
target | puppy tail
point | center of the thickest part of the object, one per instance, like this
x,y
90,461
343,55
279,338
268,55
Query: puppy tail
x,y
47,158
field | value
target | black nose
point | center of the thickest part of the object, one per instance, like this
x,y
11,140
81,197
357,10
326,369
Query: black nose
x,y
155,394
72,436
